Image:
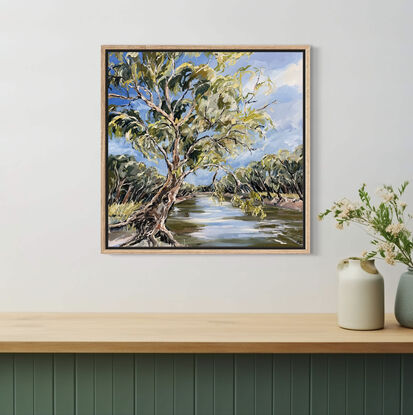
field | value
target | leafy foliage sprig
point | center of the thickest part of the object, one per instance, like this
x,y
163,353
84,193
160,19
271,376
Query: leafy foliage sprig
x,y
385,222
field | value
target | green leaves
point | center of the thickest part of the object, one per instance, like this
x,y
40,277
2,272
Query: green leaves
x,y
288,168
252,204
129,180
181,78
275,174
224,59
386,222
195,115
403,187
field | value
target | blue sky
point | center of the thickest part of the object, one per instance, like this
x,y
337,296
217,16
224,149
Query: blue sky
x,y
285,70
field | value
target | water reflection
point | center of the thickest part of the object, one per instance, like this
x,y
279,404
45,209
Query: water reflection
x,y
203,222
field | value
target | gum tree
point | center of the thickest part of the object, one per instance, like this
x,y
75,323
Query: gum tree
x,y
286,170
129,180
191,111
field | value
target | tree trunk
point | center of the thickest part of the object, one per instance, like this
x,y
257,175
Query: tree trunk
x,y
298,190
150,220
127,195
118,190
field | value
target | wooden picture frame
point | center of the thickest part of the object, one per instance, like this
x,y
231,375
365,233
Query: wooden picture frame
x,y
106,248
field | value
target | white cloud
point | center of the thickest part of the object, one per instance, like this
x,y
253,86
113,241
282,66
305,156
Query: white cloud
x,y
292,75
289,115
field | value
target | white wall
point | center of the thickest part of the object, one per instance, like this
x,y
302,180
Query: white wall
x,y
362,93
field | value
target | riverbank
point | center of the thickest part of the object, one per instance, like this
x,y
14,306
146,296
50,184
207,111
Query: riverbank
x,y
283,203
292,204
187,197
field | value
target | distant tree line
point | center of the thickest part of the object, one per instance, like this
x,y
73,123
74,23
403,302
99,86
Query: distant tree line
x,y
133,181
273,175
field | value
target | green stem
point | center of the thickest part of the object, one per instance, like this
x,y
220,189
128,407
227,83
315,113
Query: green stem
x,y
365,223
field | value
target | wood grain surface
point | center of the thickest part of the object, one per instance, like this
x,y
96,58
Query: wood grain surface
x,y
194,333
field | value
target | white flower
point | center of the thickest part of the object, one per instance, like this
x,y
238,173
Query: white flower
x,y
345,207
349,204
402,204
390,257
386,246
344,214
364,253
339,226
385,194
389,253
395,229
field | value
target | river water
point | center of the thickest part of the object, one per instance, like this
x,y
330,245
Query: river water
x,y
203,222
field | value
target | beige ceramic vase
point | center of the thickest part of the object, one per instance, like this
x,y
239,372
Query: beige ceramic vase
x,y
360,295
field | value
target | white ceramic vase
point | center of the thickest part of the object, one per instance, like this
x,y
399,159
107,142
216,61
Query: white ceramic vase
x,y
360,295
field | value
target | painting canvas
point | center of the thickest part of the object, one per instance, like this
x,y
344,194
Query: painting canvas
x,y
205,149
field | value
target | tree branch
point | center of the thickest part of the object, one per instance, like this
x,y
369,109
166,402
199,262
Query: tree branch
x,y
166,90
225,137
148,102
181,98
165,156
217,166
192,148
189,113
265,106
122,97
152,105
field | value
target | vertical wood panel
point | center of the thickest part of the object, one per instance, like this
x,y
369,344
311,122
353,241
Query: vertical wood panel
x,y
319,385
164,385
407,384
85,385
391,385
103,384
337,385
300,384
244,384
145,384
282,385
204,384
355,385
64,384
184,385
7,384
43,384
123,384
263,384
373,384
23,377
224,384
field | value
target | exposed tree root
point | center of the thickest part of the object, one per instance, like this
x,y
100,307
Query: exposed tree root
x,y
127,222
163,234
167,236
149,226
149,221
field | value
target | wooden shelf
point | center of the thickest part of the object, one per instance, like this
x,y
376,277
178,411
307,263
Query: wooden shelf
x,y
193,333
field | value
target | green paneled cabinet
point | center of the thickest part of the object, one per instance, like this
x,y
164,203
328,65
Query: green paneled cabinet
x,y
206,384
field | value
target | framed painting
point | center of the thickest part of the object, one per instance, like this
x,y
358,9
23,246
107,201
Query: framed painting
x,y
205,149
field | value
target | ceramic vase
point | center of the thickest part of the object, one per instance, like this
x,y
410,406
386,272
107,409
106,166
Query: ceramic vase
x,y
360,295
404,299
